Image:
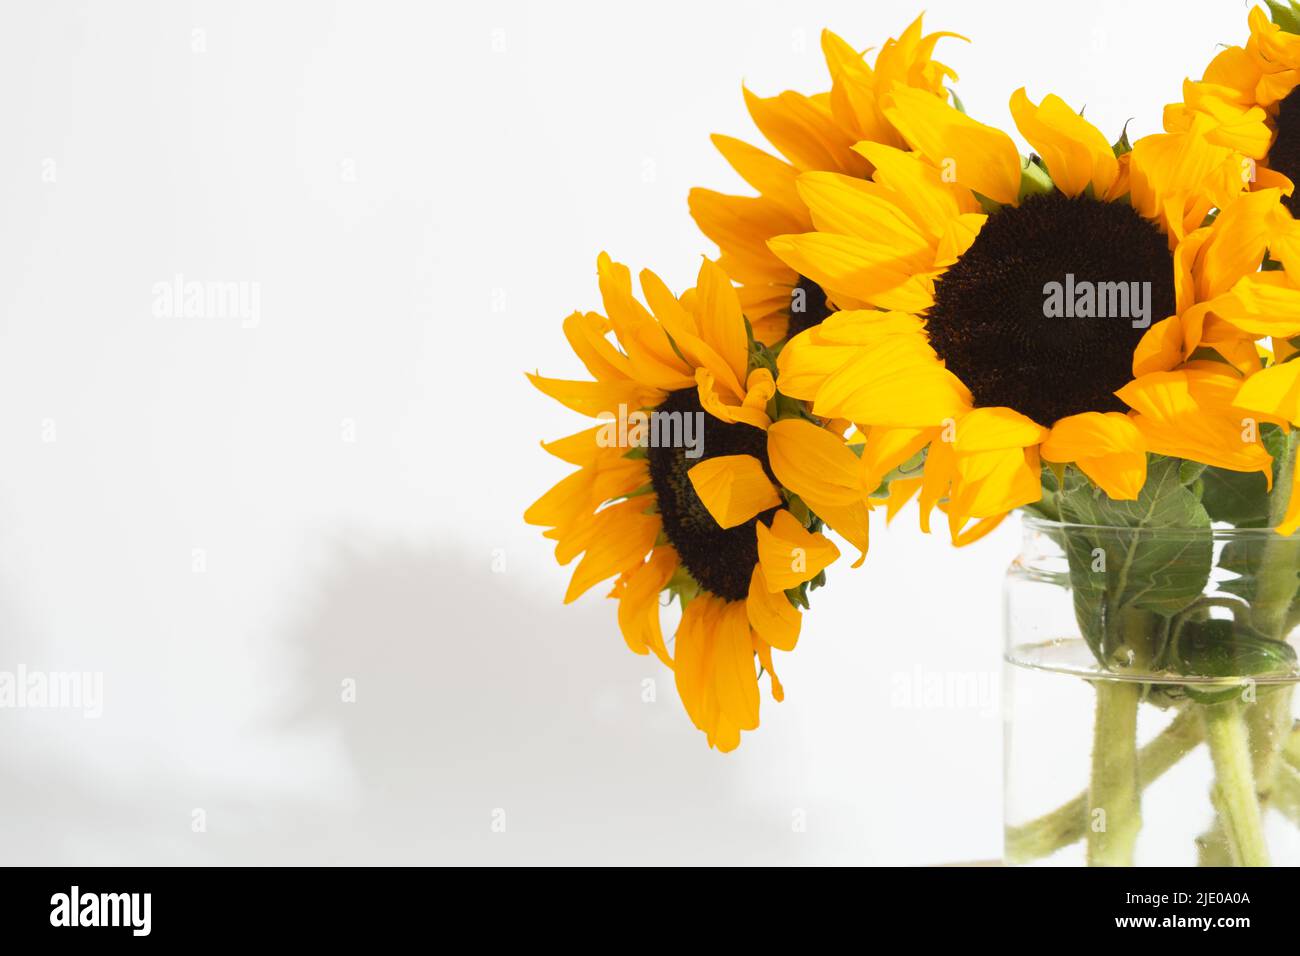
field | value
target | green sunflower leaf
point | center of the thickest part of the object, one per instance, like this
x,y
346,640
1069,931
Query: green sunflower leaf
x,y
1241,498
1126,567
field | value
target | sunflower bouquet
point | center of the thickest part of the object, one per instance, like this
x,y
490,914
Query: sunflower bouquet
x,y
1098,335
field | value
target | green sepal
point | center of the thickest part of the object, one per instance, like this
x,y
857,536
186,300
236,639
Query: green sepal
x,y
799,597
1122,145
1285,15
1034,179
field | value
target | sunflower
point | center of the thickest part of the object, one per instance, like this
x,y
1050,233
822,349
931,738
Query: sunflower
x,y
1247,99
951,264
695,485
811,133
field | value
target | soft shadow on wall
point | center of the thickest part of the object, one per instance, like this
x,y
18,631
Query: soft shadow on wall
x,y
494,726
488,725
433,712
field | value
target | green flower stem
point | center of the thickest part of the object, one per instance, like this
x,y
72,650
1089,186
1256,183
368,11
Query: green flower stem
x,y
1286,792
1234,782
1291,747
1286,781
1276,578
1114,799
1268,720
1068,823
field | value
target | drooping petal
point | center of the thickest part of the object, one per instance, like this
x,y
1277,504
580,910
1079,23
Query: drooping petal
x,y
813,463
638,603
988,484
764,652
733,488
735,680
771,614
996,464
1107,447
751,410
789,554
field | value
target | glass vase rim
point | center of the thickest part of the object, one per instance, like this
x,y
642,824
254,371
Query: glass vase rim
x,y
1030,522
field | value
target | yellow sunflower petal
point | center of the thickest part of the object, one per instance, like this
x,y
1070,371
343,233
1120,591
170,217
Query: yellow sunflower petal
x,y
961,537
1076,153
805,132
1238,239
1160,348
1107,447
996,464
774,179
979,157
923,191
854,207
734,678
749,411
719,318
764,652
771,614
1264,303
586,333
813,463
1189,414
887,448
852,269
996,428
900,383
1175,179
991,483
1274,391
594,399
623,536
811,357
850,521
733,488
693,660
940,469
790,554
901,491
638,603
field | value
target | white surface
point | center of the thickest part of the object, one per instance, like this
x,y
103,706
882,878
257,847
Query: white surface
x,y
392,175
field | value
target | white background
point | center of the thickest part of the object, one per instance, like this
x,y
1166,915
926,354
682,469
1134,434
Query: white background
x,y
421,191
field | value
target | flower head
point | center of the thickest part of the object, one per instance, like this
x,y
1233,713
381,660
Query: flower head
x,y
810,133
690,487
997,318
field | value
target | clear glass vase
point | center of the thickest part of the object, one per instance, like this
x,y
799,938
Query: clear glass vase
x,y
1149,697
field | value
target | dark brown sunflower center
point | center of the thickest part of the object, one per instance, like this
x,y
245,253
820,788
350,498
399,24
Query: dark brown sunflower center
x,y
1284,157
807,306
1043,311
721,560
